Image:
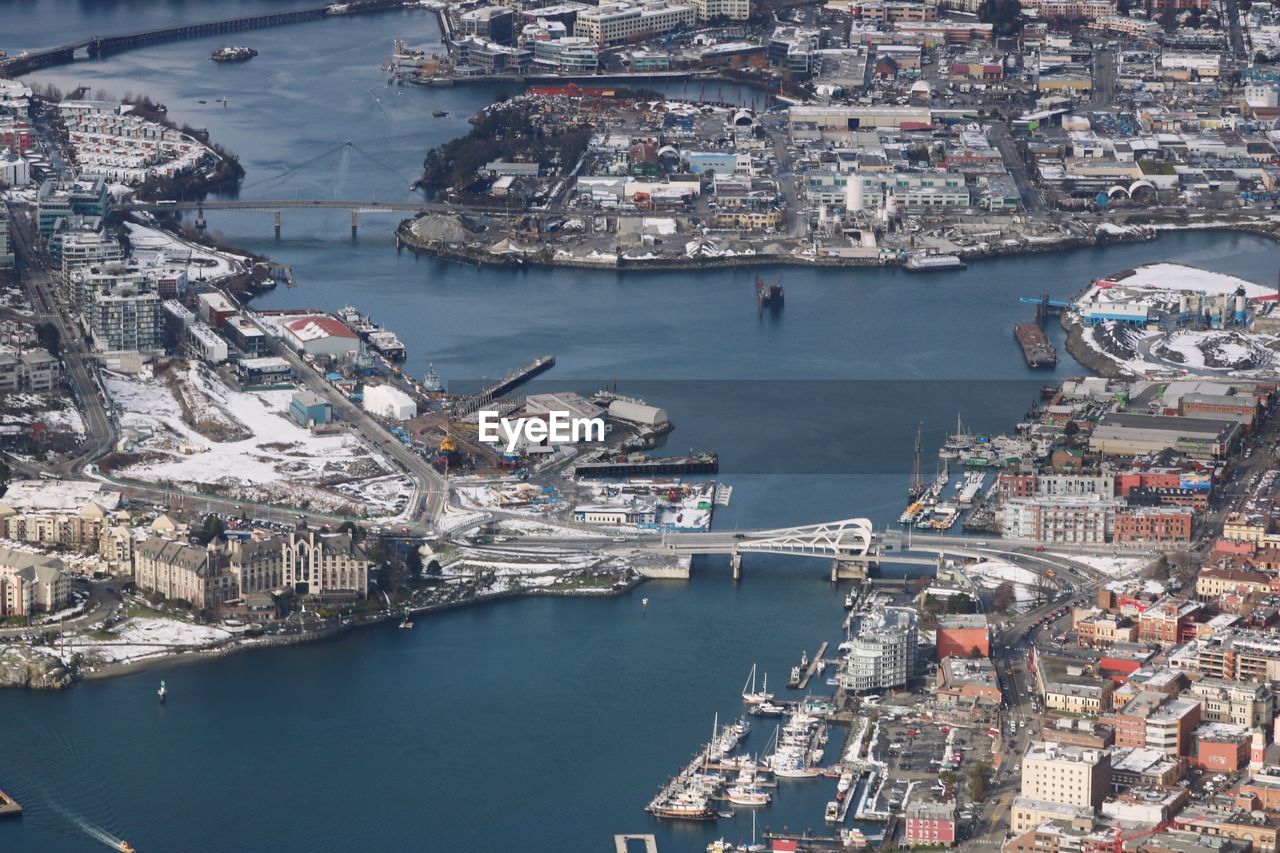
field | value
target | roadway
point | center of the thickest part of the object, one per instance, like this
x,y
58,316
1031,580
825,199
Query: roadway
x,y
1032,196
32,269
431,486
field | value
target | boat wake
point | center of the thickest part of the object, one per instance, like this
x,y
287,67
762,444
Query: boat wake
x,y
92,830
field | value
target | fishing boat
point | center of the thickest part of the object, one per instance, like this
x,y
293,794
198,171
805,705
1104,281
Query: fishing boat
x,y
849,600
833,812
794,681
751,697
162,693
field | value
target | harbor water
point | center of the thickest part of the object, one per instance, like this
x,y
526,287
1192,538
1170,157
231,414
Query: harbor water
x,y
544,723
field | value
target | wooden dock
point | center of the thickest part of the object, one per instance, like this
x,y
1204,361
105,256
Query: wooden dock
x,y
813,665
9,806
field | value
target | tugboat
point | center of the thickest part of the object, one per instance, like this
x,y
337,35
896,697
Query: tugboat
x,y
432,381
769,294
233,54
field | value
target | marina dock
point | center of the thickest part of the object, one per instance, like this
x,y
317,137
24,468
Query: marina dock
x,y
814,666
9,806
472,404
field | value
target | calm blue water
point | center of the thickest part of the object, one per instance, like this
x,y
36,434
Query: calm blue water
x,y
540,724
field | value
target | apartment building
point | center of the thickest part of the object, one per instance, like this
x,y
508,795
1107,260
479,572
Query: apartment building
x,y
31,583
620,22
883,652
1066,774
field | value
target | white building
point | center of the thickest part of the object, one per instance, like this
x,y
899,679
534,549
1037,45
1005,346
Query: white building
x,y
737,10
388,402
14,171
206,344
883,653
320,335
615,23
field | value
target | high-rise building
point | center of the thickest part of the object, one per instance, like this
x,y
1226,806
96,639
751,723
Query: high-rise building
x,y
884,650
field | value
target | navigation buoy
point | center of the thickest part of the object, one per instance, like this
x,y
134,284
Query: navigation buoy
x,y
644,604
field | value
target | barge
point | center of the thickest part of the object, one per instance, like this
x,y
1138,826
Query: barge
x,y
933,263
1036,348
637,465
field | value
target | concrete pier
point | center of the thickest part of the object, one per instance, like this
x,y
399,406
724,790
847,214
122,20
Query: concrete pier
x,y
736,560
277,225
200,226
355,223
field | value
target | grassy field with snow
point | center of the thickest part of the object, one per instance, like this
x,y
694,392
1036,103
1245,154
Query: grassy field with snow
x,y
244,445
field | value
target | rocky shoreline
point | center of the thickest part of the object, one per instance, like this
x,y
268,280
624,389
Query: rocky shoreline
x,y
31,668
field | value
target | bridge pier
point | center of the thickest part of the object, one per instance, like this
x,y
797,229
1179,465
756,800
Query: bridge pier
x,y
277,225
736,561
848,570
354,223
200,226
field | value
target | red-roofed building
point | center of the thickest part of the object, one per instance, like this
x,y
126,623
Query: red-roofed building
x,y
320,334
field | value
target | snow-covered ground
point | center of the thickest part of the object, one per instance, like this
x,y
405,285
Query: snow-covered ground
x,y
1116,567
990,574
142,637
279,461
153,247
512,495
55,411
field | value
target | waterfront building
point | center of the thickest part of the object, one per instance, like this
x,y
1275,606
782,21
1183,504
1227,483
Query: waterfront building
x,y
323,566
320,335
568,55
1079,520
495,23
883,652
1125,434
31,583
387,401
635,512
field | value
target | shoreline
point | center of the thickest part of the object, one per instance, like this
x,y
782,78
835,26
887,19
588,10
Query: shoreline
x,y
237,646
1142,233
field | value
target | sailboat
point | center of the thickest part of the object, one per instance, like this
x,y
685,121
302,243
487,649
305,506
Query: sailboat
x,y
751,697
162,693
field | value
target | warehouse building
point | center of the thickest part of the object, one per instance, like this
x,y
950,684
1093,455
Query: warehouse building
x,y
1123,434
